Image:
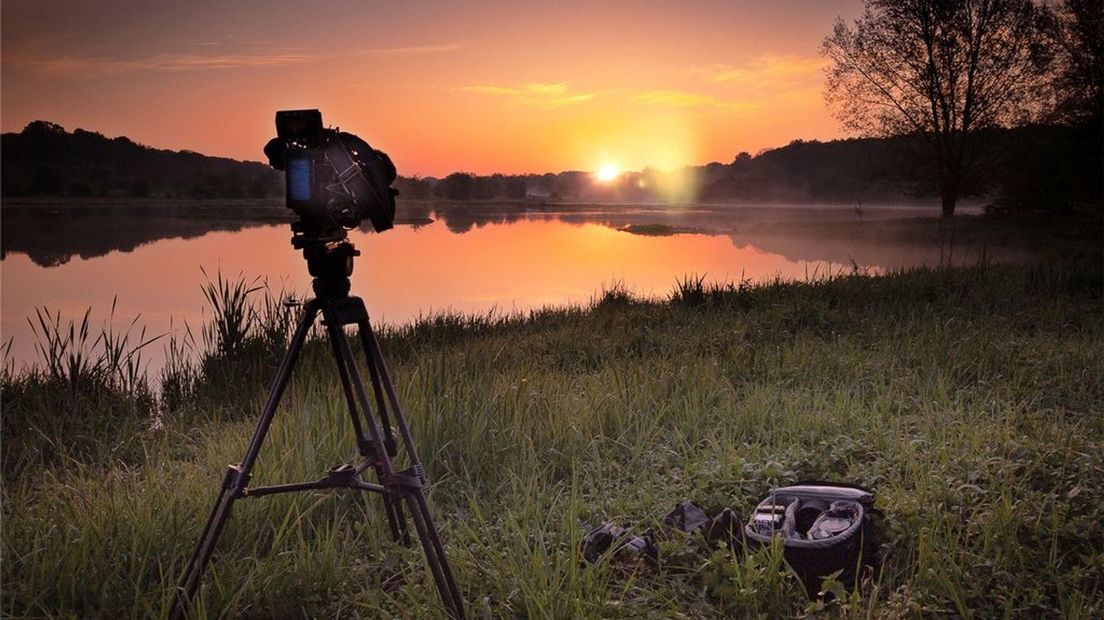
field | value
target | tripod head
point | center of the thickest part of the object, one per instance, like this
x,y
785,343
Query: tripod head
x,y
329,258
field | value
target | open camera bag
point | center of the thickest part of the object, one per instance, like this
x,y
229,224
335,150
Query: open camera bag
x,y
825,527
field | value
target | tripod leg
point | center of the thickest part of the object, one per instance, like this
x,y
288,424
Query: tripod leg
x,y
364,328
344,352
416,501
334,331
337,336
434,552
377,366
237,476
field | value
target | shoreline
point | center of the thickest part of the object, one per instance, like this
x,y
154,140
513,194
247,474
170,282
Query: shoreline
x,y
20,203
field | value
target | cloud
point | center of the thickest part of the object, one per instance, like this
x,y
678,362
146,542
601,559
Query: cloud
x,y
540,94
684,99
491,90
549,95
72,64
554,90
418,49
767,73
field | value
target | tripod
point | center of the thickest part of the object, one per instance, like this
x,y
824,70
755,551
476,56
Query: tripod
x,y
330,262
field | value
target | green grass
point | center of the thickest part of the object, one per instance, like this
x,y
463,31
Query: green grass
x,y
970,399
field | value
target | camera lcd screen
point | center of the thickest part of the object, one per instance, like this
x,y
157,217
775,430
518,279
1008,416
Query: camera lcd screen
x,y
299,180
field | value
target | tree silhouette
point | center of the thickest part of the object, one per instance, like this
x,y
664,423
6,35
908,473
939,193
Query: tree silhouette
x,y
46,160
1079,74
940,70
457,186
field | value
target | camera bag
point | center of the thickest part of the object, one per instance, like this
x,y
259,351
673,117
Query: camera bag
x,y
825,528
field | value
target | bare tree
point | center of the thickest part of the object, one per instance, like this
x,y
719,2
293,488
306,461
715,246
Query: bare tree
x,y
1078,76
940,70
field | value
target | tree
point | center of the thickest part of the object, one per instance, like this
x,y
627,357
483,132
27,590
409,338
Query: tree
x,y
940,70
43,128
1079,74
46,181
140,188
457,186
516,188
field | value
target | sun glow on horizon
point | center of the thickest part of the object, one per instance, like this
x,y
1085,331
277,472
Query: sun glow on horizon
x,y
514,88
607,173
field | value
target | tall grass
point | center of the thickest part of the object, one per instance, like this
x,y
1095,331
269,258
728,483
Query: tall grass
x,y
242,342
72,354
87,398
179,375
970,399
232,316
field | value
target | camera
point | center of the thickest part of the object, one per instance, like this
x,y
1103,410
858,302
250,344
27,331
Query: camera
x,y
334,179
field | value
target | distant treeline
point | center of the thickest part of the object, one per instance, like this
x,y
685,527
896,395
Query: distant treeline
x,y
1042,167
837,171
1055,168
46,160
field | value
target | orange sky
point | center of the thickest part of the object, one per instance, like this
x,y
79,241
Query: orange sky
x,y
441,86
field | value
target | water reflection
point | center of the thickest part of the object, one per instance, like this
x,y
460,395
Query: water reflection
x,y
52,241
53,235
463,258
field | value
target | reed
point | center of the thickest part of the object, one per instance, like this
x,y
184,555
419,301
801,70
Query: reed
x,y
232,315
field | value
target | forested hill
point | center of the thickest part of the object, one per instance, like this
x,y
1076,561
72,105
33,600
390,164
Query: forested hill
x,y
46,160
1045,167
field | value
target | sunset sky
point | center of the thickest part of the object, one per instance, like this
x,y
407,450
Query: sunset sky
x,y
442,86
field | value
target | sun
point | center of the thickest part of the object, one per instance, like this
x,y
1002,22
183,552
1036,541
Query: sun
x,y
607,173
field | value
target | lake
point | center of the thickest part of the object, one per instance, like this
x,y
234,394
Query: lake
x,y
464,258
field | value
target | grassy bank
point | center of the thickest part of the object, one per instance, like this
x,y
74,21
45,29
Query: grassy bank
x,y
971,400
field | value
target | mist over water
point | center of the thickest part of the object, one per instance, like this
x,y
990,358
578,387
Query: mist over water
x,y
470,258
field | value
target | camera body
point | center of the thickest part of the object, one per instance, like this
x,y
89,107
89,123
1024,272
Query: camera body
x,y
334,180
304,161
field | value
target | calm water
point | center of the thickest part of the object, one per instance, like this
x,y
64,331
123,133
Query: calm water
x,y
474,258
